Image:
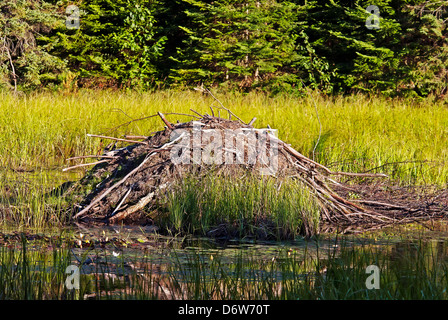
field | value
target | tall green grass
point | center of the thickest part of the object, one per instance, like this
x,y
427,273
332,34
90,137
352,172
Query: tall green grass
x,y
242,207
408,270
404,138
30,274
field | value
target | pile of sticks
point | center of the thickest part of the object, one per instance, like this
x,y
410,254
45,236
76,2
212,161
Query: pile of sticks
x,y
144,169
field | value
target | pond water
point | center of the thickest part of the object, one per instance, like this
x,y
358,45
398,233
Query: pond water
x,y
137,262
132,262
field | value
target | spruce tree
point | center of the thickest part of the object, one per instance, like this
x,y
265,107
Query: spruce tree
x,y
247,43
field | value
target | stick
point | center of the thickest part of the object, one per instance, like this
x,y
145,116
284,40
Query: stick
x,y
300,156
14,76
213,114
383,204
197,113
151,116
116,139
360,174
340,199
169,125
136,137
122,200
86,209
222,106
371,216
92,156
84,165
251,122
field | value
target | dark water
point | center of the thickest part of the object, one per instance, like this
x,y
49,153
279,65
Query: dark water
x,y
138,262
413,260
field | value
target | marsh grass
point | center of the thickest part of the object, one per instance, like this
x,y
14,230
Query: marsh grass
x,y
404,138
409,269
27,273
32,200
241,206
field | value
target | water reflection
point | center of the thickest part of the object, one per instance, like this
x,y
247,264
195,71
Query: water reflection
x,y
137,262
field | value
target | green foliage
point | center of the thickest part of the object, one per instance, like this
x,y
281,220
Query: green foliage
x,y
405,139
407,55
426,47
24,59
273,45
115,43
249,44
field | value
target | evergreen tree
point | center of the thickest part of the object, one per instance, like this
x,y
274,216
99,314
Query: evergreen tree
x,y
276,45
407,55
424,48
115,43
25,62
248,43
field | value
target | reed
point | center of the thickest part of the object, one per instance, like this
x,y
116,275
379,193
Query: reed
x,y
234,207
403,138
38,132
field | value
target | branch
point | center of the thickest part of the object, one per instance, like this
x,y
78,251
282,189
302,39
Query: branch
x,y
92,156
14,76
116,139
86,209
163,148
169,125
85,165
136,207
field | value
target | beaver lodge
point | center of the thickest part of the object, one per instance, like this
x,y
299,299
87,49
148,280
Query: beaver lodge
x,y
222,177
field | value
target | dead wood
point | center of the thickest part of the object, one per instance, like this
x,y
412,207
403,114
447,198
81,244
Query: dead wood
x,y
169,125
113,138
84,165
136,174
91,156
